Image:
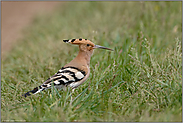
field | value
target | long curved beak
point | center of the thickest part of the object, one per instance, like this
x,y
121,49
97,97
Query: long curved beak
x,y
98,46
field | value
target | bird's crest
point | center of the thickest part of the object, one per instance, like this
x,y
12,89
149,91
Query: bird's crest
x,y
80,41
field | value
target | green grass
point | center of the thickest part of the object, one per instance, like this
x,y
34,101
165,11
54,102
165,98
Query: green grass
x,y
140,81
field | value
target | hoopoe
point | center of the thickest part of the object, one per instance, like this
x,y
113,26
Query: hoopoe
x,y
74,73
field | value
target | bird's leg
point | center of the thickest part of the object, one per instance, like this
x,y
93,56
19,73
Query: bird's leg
x,y
71,95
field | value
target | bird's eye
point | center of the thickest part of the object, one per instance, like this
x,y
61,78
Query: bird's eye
x,y
88,45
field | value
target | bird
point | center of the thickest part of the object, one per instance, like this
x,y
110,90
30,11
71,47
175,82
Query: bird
x,y
75,72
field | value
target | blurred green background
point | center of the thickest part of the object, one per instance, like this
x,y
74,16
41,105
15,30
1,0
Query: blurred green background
x,y
140,81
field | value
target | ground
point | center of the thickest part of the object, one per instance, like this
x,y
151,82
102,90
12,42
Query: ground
x,y
16,16
140,81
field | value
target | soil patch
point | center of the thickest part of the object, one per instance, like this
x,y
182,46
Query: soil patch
x,y
17,15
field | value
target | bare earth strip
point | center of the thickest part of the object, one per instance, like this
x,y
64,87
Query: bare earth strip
x,y
17,15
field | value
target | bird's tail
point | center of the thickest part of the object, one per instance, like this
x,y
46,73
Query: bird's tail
x,y
34,91
52,81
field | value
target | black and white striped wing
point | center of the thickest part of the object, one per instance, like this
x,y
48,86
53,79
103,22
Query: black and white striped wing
x,y
63,77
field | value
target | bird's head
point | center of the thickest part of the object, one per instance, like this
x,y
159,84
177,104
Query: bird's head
x,y
85,45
